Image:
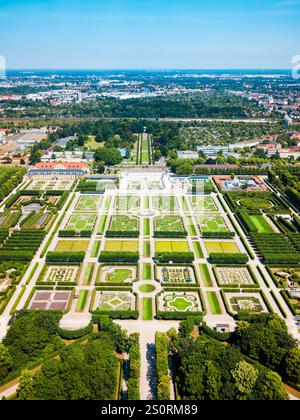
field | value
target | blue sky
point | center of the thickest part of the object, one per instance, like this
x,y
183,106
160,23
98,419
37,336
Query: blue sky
x,y
150,34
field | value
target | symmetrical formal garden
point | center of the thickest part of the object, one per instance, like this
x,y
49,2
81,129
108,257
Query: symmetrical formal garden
x,y
227,276
203,204
212,223
252,303
165,203
113,274
179,302
114,301
89,203
81,222
173,275
50,300
60,274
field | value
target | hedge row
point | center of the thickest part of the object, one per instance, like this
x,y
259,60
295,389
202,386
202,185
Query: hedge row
x,y
178,316
162,366
122,234
223,337
75,335
73,233
176,257
119,257
229,258
161,234
133,386
66,257
115,315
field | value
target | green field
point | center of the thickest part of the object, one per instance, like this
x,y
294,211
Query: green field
x,y
124,224
88,274
102,225
191,227
222,248
181,304
171,246
205,275
83,295
168,224
81,222
144,149
197,249
121,246
147,272
261,224
75,246
95,250
146,227
147,249
214,303
89,203
119,276
147,309
212,223
147,288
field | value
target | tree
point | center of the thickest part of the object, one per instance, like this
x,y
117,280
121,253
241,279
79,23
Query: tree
x,y
100,167
110,156
245,377
270,388
25,389
6,362
185,168
292,366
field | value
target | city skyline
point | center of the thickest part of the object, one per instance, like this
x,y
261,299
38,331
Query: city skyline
x,y
149,35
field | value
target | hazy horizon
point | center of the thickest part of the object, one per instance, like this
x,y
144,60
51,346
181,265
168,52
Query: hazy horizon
x,y
139,34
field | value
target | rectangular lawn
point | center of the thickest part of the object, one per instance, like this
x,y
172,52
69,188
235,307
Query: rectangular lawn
x,y
261,224
214,303
121,246
171,246
222,248
147,309
72,246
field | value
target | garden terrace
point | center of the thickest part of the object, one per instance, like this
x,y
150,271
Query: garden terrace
x,y
11,272
56,274
245,302
72,246
275,249
123,226
116,275
233,276
175,275
113,301
51,185
86,186
41,220
169,226
89,203
81,223
213,225
222,248
21,245
179,302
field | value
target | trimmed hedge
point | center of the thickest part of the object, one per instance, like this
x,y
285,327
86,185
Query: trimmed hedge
x,y
222,235
229,258
162,366
133,390
179,316
223,337
119,257
57,257
176,257
75,335
122,234
161,234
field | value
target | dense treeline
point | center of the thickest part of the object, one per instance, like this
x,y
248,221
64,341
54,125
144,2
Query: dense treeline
x,y
10,178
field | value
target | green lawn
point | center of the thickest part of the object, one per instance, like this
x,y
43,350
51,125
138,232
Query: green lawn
x,y
168,224
146,203
205,275
214,303
147,288
88,274
124,224
165,203
197,249
89,203
119,276
181,304
83,295
191,227
185,205
147,250
146,227
96,248
261,224
80,222
147,309
103,221
147,272
212,223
